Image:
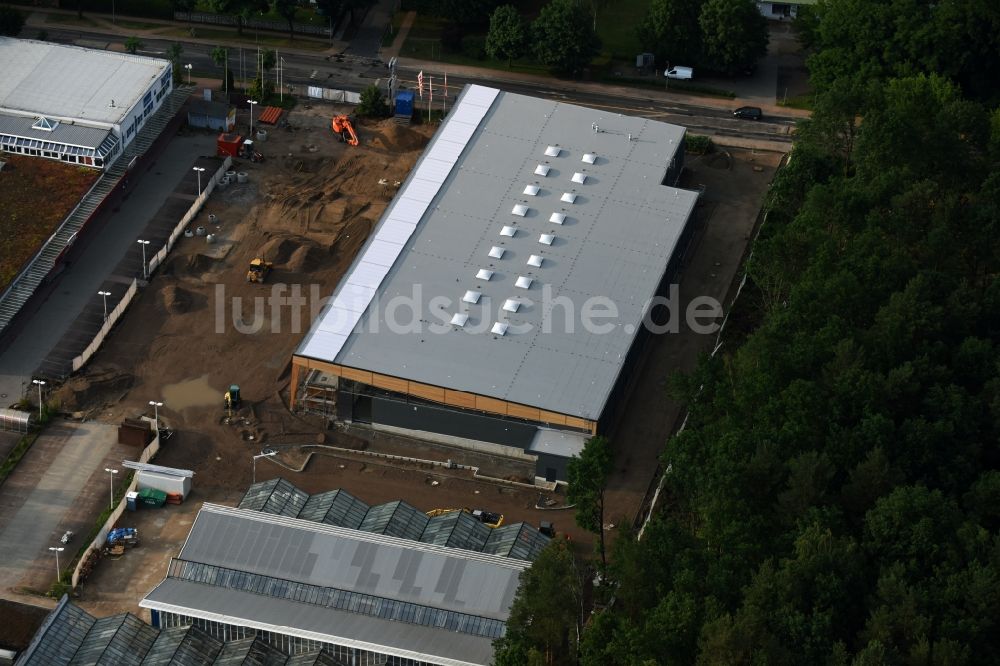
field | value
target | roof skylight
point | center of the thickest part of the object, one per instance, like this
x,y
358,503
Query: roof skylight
x,y
579,178
552,151
484,274
590,158
459,319
511,305
531,190
496,252
535,260
508,231
568,197
546,239
557,218
45,124
520,209
499,328
541,170
472,296
523,282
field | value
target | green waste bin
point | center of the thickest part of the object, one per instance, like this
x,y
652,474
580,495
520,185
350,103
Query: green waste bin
x,y
152,497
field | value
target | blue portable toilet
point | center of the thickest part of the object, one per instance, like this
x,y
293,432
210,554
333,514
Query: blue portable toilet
x,y
404,103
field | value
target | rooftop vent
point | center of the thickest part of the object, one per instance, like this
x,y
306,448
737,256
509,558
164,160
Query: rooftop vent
x,y
45,124
568,197
520,209
590,158
557,218
508,231
484,274
459,319
496,252
531,190
472,296
552,151
535,260
579,178
546,239
523,282
541,170
499,328
511,305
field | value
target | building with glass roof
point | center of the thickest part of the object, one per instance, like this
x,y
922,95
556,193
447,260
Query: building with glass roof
x,y
71,636
74,104
301,586
503,300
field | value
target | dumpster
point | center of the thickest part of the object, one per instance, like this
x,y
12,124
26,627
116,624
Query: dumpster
x,y
152,497
132,501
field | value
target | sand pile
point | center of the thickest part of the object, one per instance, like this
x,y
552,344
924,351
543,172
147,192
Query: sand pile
x,y
279,249
200,263
306,258
88,391
394,137
176,300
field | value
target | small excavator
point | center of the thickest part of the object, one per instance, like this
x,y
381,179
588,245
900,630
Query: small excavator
x,y
343,126
258,270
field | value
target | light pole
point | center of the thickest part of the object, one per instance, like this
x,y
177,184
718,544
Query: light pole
x,y
58,570
40,383
260,455
143,243
105,294
156,413
188,68
281,79
199,170
252,104
112,472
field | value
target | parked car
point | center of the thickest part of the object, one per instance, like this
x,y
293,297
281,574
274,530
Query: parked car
x,y
679,73
748,113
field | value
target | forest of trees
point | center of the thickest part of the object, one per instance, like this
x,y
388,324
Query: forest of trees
x,y
835,497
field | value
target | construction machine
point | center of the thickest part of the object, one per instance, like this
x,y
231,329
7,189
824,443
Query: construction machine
x,y
343,126
248,152
232,397
488,518
259,268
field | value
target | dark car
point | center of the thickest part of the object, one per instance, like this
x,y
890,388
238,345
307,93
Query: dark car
x,y
748,113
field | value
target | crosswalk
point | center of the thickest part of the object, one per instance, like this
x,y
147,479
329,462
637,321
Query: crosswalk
x,y
25,284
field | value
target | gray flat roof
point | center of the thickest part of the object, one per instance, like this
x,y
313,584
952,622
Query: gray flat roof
x,y
615,241
73,82
299,557
71,135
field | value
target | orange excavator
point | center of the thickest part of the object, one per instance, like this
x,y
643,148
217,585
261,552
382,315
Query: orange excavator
x,y
343,127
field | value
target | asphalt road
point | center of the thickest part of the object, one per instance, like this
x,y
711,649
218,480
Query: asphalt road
x,y
355,73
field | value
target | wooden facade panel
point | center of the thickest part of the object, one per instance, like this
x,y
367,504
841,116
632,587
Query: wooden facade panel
x,y
427,392
523,412
491,405
312,364
582,424
460,399
551,417
364,376
391,383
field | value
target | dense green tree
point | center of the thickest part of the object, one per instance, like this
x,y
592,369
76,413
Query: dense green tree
x,y
670,31
508,36
241,10
133,44
11,21
373,104
564,38
545,614
587,478
220,56
174,53
733,34
183,5
286,9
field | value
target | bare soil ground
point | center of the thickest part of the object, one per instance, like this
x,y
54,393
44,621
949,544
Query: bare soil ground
x,y
25,184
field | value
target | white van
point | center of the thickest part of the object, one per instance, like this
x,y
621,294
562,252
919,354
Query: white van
x,y
682,73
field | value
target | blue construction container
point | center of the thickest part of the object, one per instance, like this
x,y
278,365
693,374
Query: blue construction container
x,y
404,103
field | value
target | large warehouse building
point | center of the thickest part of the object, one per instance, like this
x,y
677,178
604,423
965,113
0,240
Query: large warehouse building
x,y
74,104
501,299
361,595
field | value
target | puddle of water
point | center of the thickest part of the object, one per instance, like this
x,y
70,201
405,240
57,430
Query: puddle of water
x,y
191,393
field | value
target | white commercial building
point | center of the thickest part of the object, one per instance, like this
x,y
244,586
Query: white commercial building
x,y
73,104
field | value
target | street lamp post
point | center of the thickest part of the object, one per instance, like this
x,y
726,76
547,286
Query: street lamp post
x,y
58,570
39,383
188,68
260,455
156,413
281,79
112,472
105,295
199,170
252,104
143,243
